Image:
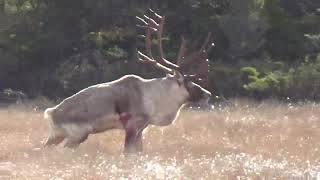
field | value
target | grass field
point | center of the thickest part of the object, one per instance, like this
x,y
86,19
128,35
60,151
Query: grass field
x,y
241,140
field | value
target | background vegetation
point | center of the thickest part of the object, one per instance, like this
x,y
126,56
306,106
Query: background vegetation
x,y
264,48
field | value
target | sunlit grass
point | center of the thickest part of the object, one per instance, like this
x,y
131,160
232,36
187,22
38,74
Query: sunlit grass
x,y
242,139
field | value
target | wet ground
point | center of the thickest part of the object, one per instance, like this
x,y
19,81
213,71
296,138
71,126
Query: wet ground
x,y
242,140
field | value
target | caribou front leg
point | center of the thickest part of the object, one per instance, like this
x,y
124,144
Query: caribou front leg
x,y
139,142
133,139
74,142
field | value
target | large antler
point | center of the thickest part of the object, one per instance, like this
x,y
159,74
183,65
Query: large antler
x,y
152,26
200,57
183,61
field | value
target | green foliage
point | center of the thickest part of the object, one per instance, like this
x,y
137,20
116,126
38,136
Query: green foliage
x,y
251,72
275,15
306,79
116,53
301,82
285,38
225,80
263,47
270,83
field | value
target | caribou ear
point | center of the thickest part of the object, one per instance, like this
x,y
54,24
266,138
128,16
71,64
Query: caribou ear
x,y
178,76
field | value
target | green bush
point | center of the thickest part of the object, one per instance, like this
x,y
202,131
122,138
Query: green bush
x,y
302,82
306,79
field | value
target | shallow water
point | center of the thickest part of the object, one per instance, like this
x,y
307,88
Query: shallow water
x,y
243,140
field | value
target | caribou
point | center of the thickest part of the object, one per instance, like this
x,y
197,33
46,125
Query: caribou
x,y
131,103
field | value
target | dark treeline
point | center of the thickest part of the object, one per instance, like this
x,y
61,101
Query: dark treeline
x,y
264,48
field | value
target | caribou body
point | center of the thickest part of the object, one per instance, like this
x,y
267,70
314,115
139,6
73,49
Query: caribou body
x,y
130,103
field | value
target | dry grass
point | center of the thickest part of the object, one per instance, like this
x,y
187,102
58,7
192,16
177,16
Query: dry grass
x,y
243,140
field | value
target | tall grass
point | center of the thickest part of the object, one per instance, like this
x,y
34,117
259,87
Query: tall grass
x,y
241,140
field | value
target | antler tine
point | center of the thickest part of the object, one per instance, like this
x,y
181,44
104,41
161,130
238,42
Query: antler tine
x,y
148,42
159,36
203,72
145,59
151,22
146,25
182,51
162,59
149,29
203,47
142,20
155,14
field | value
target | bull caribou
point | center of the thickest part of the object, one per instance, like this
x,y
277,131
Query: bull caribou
x,y
132,103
